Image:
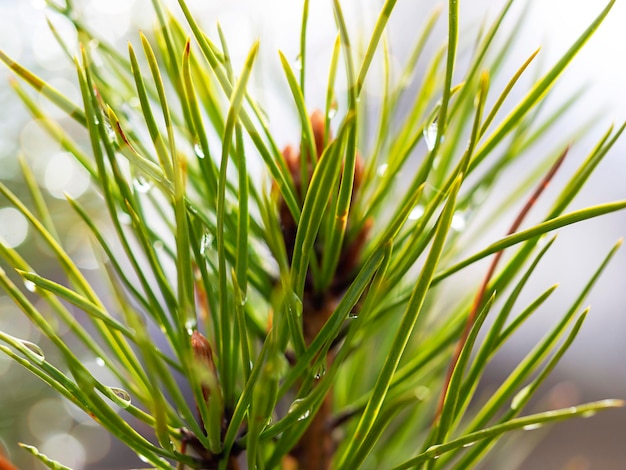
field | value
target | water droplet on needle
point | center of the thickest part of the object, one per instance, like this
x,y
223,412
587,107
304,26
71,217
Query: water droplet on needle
x,y
35,350
205,242
122,397
198,151
294,408
532,427
416,213
458,221
141,184
332,111
430,135
298,64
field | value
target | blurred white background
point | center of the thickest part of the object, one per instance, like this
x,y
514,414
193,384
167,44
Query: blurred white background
x,y
596,363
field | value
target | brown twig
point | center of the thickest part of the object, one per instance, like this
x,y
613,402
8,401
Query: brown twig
x,y
480,295
315,449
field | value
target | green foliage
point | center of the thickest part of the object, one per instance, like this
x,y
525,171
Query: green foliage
x,y
199,244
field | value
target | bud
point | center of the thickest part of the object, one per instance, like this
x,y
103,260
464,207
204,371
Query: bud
x,y
204,363
353,247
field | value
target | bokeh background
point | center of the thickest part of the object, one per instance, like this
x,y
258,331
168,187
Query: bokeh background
x,y
595,366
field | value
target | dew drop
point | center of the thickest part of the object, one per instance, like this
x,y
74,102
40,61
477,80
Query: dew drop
x,y
332,110
143,458
469,444
36,351
198,150
519,397
430,135
122,398
382,169
416,213
353,315
100,361
295,305
588,414
158,245
191,325
436,450
109,130
30,286
298,63
205,242
458,221
294,408
532,427
296,403
141,184
320,372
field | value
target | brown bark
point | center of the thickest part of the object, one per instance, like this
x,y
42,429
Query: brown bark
x,y
315,449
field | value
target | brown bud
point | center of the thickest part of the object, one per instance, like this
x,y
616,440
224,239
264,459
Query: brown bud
x,y
352,248
318,123
204,361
